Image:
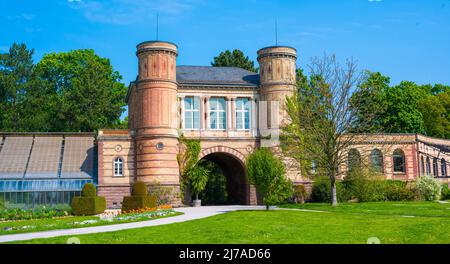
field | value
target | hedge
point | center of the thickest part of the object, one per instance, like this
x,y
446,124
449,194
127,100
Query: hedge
x,y
139,189
363,191
321,191
89,190
445,192
139,202
88,205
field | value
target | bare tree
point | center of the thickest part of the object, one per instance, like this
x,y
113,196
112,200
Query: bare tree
x,y
321,117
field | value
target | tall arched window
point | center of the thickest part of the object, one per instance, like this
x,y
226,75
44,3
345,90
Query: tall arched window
x,y
428,166
354,159
376,160
443,168
399,161
435,167
422,162
118,167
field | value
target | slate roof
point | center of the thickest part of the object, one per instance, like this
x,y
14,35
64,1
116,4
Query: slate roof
x,y
216,76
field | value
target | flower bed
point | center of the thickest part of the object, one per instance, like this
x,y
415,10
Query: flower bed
x,y
35,213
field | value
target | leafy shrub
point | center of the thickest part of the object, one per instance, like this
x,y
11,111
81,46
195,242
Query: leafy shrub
x,y
429,188
198,177
88,203
131,203
32,213
267,172
366,185
139,189
89,190
321,191
399,191
445,192
215,192
2,203
163,193
139,198
300,193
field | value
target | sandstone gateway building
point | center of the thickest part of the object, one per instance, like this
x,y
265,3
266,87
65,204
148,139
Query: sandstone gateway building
x,y
230,110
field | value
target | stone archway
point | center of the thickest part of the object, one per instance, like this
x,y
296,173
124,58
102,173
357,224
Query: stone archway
x,y
232,163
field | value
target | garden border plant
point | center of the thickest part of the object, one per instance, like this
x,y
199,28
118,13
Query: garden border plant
x,y
362,185
139,199
88,203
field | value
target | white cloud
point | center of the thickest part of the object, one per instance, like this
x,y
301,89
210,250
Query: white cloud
x,y
130,11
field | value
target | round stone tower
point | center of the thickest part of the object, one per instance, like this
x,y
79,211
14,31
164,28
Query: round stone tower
x,y
277,81
277,77
156,120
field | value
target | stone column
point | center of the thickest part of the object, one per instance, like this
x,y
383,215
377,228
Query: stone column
x,y
208,124
202,113
254,117
233,113
181,98
228,113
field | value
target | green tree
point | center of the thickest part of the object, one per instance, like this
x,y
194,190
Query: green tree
x,y
404,108
435,109
320,115
83,90
16,69
236,58
215,192
402,114
198,177
187,158
369,100
267,173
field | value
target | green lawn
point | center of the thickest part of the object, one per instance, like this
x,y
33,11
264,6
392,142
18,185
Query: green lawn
x,y
26,226
424,209
349,223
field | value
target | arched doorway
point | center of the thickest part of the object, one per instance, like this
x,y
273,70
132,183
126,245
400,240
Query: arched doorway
x,y
233,168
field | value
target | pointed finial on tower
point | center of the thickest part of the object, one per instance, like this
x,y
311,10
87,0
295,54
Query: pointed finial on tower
x,y
276,32
157,25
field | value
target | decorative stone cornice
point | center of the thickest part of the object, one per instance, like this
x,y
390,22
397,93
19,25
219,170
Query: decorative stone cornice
x,y
159,50
155,81
277,55
380,142
183,86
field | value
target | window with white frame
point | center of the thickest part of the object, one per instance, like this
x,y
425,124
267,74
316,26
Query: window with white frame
x,y
218,114
191,113
118,167
242,114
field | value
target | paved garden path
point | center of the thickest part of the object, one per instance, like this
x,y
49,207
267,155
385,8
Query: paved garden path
x,y
190,213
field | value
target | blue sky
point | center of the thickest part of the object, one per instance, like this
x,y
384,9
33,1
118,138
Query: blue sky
x,y
404,39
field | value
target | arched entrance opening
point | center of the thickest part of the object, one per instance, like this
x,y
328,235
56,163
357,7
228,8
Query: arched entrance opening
x,y
235,182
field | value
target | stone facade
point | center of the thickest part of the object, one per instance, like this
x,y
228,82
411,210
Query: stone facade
x,y
232,112
415,150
